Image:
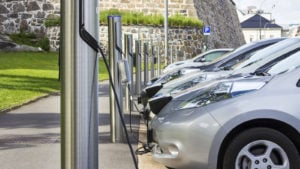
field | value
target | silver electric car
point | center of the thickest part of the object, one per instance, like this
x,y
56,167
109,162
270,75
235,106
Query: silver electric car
x,y
236,123
198,60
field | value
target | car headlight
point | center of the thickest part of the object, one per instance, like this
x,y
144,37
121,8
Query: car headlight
x,y
221,91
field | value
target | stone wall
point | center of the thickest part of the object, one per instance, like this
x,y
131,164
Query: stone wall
x,y
184,42
220,15
26,15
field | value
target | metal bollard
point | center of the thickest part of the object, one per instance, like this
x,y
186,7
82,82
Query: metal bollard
x,y
138,63
158,61
152,62
129,56
146,61
115,49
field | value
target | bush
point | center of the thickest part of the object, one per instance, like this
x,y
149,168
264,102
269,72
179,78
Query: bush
x,y
31,39
138,18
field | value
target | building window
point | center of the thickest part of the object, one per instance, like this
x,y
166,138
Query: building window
x,y
251,38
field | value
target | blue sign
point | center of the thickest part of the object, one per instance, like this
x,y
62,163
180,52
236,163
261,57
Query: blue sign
x,y
206,30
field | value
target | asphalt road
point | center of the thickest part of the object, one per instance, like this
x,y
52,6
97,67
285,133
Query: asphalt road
x,y
30,136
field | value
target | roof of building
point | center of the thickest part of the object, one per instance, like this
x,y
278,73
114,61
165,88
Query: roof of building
x,y
258,21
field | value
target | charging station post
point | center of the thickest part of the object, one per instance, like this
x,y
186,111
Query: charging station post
x,y
79,93
138,63
152,61
146,61
115,54
128,54
158,61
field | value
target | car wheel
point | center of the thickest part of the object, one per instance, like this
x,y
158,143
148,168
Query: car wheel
x,y
261,148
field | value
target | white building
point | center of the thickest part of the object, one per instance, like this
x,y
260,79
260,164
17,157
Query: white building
x,y
258,27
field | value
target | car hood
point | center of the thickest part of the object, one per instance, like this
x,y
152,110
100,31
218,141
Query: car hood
x,y
172,105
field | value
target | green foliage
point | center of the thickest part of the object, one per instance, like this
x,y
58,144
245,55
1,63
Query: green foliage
x,y
52,22
31,39
138,18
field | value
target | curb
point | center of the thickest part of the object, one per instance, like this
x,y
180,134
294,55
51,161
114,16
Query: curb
x,y
29,102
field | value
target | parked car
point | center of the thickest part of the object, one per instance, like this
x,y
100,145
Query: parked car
x,y
235,123
219,64
198,60
248,64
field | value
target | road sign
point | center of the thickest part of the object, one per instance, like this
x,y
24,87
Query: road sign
x,y
206,30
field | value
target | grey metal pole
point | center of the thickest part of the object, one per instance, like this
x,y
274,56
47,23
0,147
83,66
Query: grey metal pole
x,y
115,48
158,60
79,94
171,53
152,61
128,55
166,32
138,63
146,63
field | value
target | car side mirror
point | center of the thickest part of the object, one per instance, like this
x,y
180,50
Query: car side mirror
x,y
124,71
298,83
203,59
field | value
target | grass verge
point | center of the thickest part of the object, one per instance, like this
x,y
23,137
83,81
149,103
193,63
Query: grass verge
x,y
25,76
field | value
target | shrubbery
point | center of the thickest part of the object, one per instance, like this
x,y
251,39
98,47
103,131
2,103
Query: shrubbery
x,y
139,18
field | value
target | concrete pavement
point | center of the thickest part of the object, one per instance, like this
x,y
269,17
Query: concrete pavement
x,y
30,137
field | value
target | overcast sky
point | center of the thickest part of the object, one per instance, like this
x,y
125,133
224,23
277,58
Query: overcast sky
x,y
283,11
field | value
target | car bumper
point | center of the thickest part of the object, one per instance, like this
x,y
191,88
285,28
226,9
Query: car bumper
x,y
184,145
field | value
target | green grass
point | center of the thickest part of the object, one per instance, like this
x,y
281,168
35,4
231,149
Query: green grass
x,y
25,76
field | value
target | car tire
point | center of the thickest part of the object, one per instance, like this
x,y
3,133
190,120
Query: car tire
x,y
261,148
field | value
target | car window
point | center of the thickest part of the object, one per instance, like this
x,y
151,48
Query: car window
x,y
211,56
269,51
237,60
290,63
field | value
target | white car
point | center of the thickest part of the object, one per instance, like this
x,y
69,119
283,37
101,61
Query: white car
x,y
198,60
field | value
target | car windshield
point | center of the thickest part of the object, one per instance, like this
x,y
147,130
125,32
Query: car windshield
x,y
236,50
211,56
290,63
265,53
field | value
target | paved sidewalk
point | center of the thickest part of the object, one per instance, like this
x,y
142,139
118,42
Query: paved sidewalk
x,y
30,137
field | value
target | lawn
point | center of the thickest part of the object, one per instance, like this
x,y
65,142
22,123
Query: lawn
x,y
25,76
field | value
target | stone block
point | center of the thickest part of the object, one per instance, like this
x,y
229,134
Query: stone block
x,y
3,9
26,16
24,26
48,7
40,14
2,18
33,6
14,15
18,8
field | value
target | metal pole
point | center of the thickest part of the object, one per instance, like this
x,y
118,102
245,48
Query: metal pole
x,y
79,96
115,48
158,60
152,61
171,53
128,55
166,32
138,66
146,61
